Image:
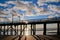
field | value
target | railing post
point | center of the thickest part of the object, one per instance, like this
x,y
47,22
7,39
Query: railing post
x,y
44,33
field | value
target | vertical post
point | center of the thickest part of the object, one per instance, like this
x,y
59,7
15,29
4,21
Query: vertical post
x,y
17,29
20,29
31,29
20,32
44,33
0,29
7,30
57,28
34,29
11,30
4,29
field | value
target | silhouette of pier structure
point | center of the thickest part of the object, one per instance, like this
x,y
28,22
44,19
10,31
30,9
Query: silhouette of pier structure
x,y
18,28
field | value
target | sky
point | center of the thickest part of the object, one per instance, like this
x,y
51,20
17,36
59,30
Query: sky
x,y
28,9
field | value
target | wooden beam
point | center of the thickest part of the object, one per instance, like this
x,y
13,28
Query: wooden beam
x,y
0,29
44,33
4,30
11,30
20,29
58,33
31,29
34,29
15,30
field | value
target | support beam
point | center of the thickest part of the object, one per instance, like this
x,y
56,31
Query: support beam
x,y
4,30
44,33
11,30
7,30
58,33
19,37
34,29
15,29
20,29
0,29
31,29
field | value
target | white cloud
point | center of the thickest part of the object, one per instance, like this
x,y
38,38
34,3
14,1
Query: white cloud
x,y
25,2
9,19
41,2
3,4
53,15
11,2
25,7
42,11
4,12
54,8
1,20
52,0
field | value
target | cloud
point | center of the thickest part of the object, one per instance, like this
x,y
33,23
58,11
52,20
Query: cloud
x,y
3,4
21,5
52,0
54,8
4,12
25,7
8,19
55,11
28,7
48,1
42,11
15,18
25,2
11,2
41,2
51,10
1,20
53,15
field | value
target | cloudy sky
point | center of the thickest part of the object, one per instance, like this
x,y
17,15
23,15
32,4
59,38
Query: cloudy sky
x,y
28,9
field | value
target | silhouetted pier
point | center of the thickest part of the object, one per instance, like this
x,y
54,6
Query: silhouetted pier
x,y
16,29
